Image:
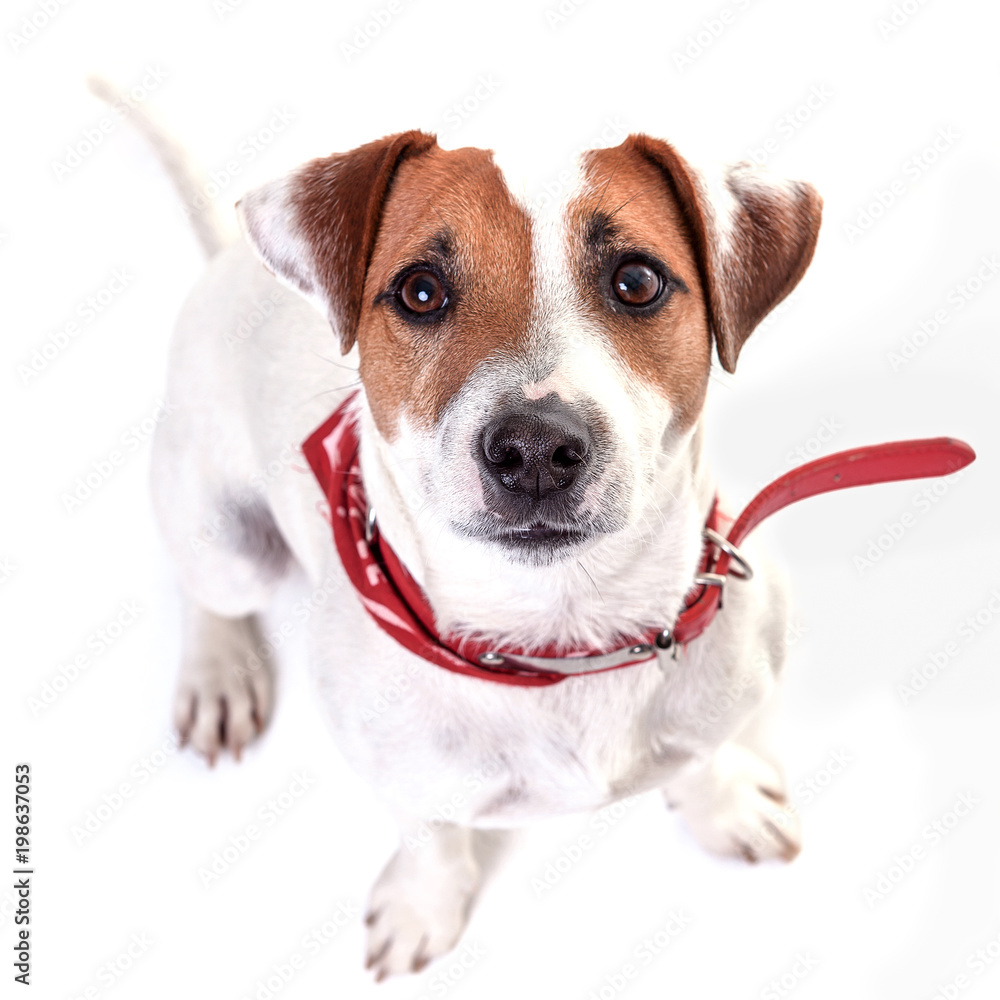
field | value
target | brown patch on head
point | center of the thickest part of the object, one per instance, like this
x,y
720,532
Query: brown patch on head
x,y
628,212
338,201
449,212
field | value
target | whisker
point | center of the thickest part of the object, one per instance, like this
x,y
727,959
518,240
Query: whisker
x,y
435,211
593,582
610,179
340,388
627,201
330,361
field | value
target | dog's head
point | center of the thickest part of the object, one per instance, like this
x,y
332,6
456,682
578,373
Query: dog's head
x,y
532,371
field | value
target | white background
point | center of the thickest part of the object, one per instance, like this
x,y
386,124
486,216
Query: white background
x,y
822,362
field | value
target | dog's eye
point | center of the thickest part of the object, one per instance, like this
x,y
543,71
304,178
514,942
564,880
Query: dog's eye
x,y
422,293
635,284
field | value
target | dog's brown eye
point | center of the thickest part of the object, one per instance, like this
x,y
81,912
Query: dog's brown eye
x,y
422,293
636,284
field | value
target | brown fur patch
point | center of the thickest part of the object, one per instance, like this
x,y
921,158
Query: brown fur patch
x,y
627,209
451,209
338,201
773,238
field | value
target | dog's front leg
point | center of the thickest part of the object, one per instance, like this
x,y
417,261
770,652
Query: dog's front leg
x,y
226,686
734,800
420,903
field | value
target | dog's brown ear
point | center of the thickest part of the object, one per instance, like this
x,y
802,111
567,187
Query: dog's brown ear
x,y
316,228
754,236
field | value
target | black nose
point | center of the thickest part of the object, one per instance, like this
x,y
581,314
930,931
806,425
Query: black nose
x,y
536,452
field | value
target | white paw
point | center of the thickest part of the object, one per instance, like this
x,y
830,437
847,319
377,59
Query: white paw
x,y
226,687
736,806
417,912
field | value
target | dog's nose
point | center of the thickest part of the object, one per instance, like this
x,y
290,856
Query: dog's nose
x,y
536,453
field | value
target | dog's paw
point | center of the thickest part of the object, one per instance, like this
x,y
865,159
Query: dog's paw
x,y
736,806
226,686
417,912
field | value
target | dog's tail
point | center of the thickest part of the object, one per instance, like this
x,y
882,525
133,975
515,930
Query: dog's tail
x,y
187,178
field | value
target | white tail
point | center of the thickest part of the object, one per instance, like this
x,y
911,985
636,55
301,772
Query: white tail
x,y
187,179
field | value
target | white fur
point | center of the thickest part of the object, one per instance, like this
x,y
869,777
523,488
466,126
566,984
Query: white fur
x,y
273,236
720,206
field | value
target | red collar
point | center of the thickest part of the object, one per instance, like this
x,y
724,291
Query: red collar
x,y
394,599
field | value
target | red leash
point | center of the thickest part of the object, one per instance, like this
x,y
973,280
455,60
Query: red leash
x,y
877,463
394,599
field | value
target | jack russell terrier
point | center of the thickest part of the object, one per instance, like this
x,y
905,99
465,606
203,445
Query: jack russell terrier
x,y
521,615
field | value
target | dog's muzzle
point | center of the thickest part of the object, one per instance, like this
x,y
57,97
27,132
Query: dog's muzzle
x,y
535,458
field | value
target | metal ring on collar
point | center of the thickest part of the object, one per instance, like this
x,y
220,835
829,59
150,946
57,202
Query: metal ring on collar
x,y
745,571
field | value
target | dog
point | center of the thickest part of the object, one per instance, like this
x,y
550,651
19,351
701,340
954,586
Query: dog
x,y
524,383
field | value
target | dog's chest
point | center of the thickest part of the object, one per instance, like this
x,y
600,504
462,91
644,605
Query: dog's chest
x,y
477,753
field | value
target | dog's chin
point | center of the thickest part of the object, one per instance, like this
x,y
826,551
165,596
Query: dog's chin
x,y
539,543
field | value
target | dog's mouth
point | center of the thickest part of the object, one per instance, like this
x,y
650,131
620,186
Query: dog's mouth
x,y
541,533
535,538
